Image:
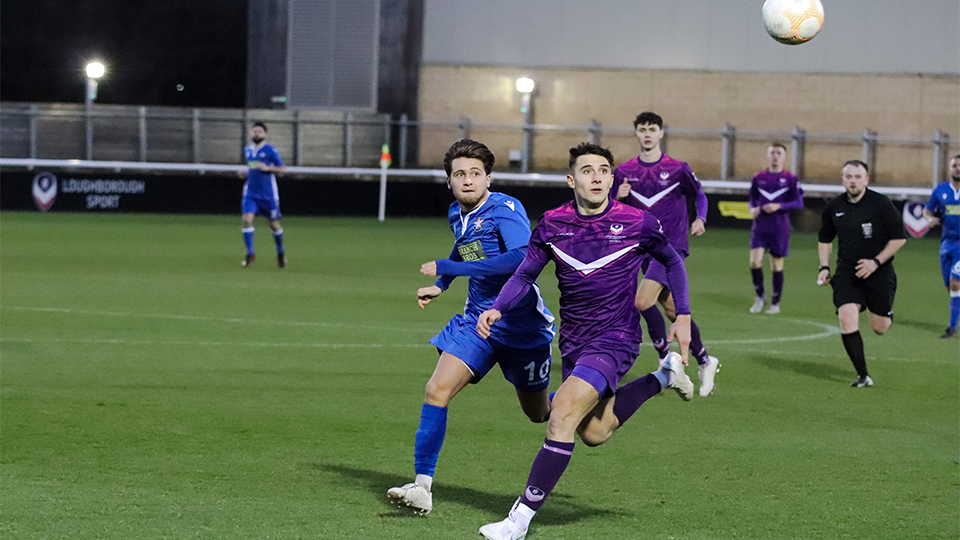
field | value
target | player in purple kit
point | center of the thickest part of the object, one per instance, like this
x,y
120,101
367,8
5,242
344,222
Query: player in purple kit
x,y
260,194
597,246
774,193
658,184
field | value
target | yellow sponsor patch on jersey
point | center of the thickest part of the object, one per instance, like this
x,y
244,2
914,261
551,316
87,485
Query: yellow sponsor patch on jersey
x,y
952,210
735,209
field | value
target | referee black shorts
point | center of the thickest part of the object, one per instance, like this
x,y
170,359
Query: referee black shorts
x,y
874,293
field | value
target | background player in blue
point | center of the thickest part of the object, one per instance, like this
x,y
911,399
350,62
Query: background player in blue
x,y
944,208
774,193
656,183
260,194
597,246
492,231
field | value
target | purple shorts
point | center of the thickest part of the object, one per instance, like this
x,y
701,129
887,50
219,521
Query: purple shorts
x,y
611,355
778,242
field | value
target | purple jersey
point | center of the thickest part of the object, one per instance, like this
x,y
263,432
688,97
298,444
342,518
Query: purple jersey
x,y
663,189
597,259
769,187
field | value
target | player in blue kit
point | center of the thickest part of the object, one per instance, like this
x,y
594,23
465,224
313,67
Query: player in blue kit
x,y
944,208
598,246
260,194
656,183
492,232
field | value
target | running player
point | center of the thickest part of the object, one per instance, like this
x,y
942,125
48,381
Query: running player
x,y
774,193
597,246
492,231
260,194
656,183
944,208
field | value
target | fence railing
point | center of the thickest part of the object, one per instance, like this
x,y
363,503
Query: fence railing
x,y
344,139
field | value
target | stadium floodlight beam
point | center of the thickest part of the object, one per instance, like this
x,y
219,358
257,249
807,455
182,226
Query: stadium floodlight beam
x,y
526,86
95,70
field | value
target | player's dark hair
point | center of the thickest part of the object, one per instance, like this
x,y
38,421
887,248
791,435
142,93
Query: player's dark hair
x,y
647,117
955,157
260,125
586,148
467,148
778,144
857,162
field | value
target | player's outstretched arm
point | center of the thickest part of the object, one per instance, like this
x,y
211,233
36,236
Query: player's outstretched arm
x,y
426,294
486,320
680,329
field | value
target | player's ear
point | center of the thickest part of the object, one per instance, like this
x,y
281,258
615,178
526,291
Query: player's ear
x,y
570,180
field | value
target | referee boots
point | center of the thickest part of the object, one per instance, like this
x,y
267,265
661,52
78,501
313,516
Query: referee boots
x,y
862,382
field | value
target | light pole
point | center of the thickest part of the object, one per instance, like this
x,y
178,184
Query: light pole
x,y
95,70
526,86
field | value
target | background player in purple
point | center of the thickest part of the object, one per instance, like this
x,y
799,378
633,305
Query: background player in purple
x,y
774,193
597,246
492,231
260,195
944,208
658,184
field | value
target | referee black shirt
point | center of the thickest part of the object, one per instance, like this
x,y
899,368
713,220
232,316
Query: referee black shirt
x,y
862,228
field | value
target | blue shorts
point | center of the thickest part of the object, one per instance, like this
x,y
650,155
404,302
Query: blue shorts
x,y
266,207
950,261
612,356
527,368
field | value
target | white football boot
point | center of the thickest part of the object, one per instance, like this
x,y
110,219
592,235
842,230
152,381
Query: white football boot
x,y
757,306
413,496
773,309
681,382
707,372
508,529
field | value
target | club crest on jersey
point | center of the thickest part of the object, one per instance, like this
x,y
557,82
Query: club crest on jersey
x,y
616,228
478,224
44,190
913,219
664,175
867,230
783,180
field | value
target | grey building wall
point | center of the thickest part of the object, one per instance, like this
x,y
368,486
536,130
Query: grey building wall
x,y
858,36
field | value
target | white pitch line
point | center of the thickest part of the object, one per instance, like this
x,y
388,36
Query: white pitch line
x,y
405,328
829,330
219,343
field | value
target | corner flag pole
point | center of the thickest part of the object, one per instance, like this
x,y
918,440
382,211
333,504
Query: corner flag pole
x,y
384,163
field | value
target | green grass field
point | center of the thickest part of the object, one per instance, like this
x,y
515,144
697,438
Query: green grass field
x,y
151,388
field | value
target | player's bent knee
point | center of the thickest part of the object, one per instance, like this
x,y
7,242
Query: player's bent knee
x,y
438,394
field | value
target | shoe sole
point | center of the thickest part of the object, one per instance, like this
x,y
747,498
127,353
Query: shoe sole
x,y
400,500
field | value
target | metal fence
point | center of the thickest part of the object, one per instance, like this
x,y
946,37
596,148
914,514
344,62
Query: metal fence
x,y
181,135
320,138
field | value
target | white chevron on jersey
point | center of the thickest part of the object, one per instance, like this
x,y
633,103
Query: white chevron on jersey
x,y
655,199
774,195
587,268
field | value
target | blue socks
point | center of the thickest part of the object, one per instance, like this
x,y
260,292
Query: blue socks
x,y
433,428
278,238
248,239
954,309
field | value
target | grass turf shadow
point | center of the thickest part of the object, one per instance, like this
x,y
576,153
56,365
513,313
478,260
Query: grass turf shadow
x,y
826,372
562,509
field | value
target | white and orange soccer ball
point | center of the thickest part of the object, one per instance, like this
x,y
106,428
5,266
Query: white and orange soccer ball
x,y
793,21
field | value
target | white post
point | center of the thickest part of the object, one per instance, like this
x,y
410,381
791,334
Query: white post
x,y
384,164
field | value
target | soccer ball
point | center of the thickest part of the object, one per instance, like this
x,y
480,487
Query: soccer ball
x,y
793,21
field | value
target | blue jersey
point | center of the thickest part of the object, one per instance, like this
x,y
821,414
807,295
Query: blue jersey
x,y
497,226
261,184
945,203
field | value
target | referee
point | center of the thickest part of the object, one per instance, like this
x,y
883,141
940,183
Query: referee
x,y
869,231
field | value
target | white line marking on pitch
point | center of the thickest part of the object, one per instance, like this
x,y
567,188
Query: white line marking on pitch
x,y
218,343
405,328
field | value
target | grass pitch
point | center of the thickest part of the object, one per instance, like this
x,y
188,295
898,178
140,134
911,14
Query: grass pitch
x,y
151,388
